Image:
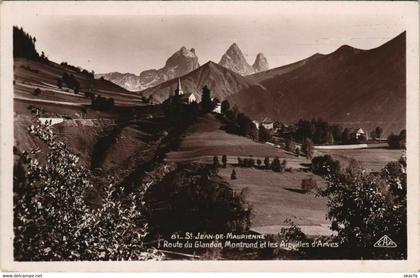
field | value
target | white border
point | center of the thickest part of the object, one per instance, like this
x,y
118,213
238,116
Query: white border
x,y
407,10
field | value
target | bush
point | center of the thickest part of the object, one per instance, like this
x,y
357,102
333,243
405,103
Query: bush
x,y
308,184
224,160
364,206
275,165
397,141
233,175
267,162
240,162
325,165
196,200
102,103
53,221
216,163
36,92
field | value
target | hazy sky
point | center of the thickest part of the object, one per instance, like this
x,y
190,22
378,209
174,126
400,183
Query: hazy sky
x,y
136,43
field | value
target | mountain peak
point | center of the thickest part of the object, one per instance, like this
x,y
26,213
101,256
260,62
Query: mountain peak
x,y
261,63
235,60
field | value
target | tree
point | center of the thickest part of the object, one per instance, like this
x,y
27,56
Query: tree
x,y
378,132
325,165
308,184
345,137
216,162
36,92
53,220
283,165
275,165
363,207
224,160
233,175
308,148
267,162
225,106
397,141
24,45
290,145
297,151
206,102
59,83
264,135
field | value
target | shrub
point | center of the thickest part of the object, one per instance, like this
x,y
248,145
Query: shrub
x,y
102,103
267,162
233,175
224,160
216,163
275,165
36,92
308,184
308,148
240,162
365,206
52,220
325,165
196,200
397,141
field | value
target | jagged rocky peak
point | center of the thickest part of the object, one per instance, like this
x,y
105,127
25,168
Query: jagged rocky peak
x,y
184,58
261,63
235,60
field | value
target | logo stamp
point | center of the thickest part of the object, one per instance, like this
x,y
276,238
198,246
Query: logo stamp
x,y
385,242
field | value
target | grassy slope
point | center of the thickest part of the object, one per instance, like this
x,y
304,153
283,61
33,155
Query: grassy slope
x,y
29,75
373,159
205,139
267,191
273,200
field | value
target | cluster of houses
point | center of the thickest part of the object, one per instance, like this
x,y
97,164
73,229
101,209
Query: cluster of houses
x,y
187,98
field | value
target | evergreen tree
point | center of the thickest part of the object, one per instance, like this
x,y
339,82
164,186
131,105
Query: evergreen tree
x,y
224,160
206,102
233,175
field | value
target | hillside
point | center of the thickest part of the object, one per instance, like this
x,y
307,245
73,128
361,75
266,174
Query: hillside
x,y
221,81
352,87
31,74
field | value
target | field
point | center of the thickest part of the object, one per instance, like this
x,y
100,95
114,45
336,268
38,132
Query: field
x,y
205,140
30,75
372,159
275,197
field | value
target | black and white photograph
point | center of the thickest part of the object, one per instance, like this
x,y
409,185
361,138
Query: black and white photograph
x,y
226,132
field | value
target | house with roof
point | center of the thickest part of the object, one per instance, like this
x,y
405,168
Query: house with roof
x,y
218,108
267,123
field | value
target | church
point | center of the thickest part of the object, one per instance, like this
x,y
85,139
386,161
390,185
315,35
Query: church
x,y
180,96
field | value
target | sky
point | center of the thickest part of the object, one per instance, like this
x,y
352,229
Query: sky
x,y
133,43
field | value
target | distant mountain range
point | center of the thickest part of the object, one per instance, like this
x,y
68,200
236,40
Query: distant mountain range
x,y
183,62
351,87
222,82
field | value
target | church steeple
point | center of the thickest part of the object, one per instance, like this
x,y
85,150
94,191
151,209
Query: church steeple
x,y
178,90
